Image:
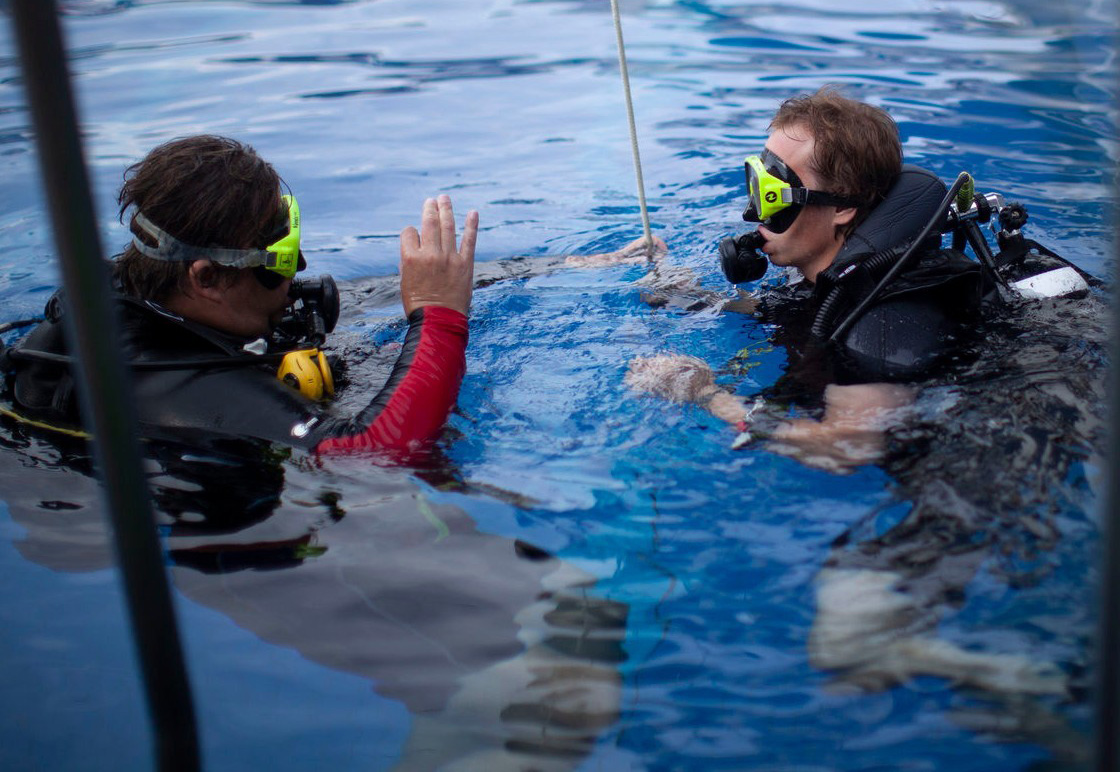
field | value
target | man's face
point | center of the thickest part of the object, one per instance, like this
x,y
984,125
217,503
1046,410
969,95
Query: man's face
x,y
252,306
812,241
252,310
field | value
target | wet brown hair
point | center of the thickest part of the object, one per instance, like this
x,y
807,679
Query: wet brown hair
x,y
203,190
857,151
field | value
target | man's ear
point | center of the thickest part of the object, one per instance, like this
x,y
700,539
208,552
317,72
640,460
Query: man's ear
x,y
203,280
844,216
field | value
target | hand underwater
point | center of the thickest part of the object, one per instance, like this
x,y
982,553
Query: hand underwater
x,y
672,376
433,272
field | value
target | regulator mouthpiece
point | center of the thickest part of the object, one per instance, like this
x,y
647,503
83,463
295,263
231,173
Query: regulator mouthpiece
x,y
314,311
740,259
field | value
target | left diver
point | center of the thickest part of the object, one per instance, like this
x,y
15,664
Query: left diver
x,y
224,340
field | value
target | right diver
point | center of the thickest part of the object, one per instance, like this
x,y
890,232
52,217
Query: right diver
x,y
874,305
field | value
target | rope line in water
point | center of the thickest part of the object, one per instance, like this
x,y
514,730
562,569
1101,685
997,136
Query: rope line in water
x,y
633,128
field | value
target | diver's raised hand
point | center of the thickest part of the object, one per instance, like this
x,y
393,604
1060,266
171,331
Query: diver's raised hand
x,y
433,271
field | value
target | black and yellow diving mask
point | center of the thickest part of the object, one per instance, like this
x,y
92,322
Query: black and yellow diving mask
x,y
775,195
280,260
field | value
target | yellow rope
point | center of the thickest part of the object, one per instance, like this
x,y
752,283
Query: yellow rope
x,y
43,425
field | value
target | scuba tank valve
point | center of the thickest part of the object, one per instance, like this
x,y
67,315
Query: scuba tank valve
x,y
966,192
1022,266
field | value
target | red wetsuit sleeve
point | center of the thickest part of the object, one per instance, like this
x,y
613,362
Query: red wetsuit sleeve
x,y
413,405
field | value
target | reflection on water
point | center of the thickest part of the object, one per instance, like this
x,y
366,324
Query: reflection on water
x,y
989,469
971,547
505,656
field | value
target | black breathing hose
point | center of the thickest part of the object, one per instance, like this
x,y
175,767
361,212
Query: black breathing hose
x,y
938,217
833,305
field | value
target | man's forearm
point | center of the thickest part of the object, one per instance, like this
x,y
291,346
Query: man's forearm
x,y
410,410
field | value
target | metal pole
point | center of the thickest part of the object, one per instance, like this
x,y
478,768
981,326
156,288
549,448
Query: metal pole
x,y
1107,737
1106,747
104,385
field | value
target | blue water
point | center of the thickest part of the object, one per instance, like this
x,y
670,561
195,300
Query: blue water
x,y
514,108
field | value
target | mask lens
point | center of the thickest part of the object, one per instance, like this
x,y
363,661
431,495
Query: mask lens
x,y
768,179
754,195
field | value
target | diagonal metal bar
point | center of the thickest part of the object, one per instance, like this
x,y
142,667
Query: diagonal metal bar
x,y
1107,703
104,385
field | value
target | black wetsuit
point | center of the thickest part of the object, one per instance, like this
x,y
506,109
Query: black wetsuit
x,y
247,401
916,324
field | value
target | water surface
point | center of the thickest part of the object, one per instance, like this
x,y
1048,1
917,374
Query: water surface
x,y
706,560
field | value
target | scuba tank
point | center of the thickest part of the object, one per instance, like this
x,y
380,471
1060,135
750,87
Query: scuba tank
x,y
1022,267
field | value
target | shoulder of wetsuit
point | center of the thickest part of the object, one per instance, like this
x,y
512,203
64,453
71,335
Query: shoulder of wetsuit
x,y
149,331
46,390
920,319
245,401
153,332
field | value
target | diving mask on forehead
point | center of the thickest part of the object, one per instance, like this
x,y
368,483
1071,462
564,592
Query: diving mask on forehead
x,y
282,257
775,195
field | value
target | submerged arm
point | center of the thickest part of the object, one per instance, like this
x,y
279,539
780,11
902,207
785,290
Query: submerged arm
x,y
666,284
382,291
850,433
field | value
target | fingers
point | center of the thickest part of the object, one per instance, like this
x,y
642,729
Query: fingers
x,y
470,236
410,240
437,229
446,223
430,225
653,247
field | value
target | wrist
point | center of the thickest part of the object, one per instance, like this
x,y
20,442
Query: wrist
x,y
727,407
434,309
705,396
412,306
437,318
747,426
